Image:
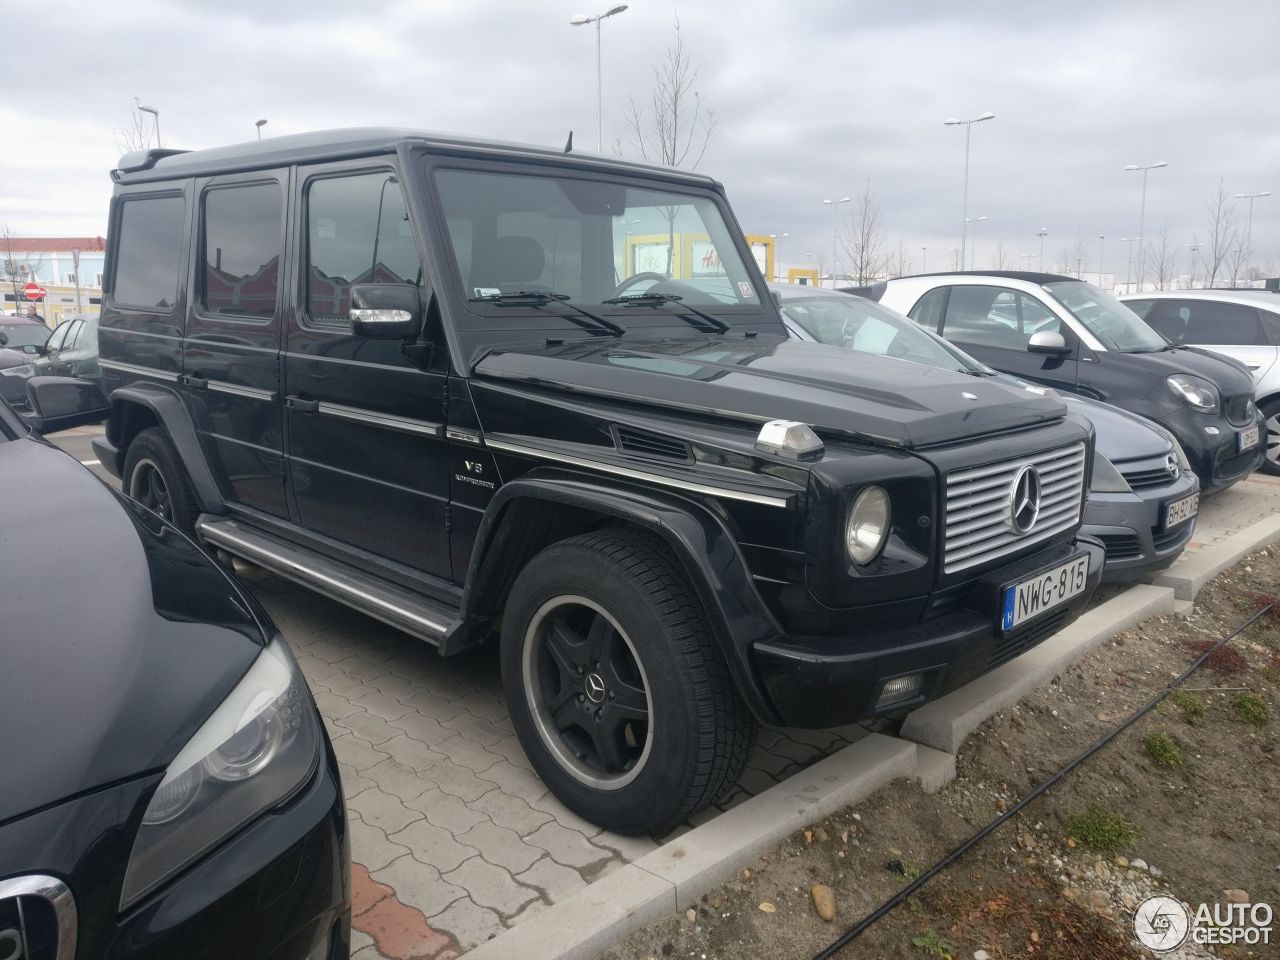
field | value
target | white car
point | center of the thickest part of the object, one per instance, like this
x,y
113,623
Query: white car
x,y
1242,324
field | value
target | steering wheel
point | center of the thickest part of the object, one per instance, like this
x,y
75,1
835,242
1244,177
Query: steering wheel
x,y
631,281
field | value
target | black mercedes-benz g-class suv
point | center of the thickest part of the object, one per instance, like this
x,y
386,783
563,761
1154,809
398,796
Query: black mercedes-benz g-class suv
x,y
474,388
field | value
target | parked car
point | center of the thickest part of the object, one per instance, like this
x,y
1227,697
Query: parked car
x,y
1241,324
465,419
169,789
20,343
71,350
1143,494
1068,334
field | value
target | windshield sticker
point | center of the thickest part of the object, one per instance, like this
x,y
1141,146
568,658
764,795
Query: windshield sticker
x,y
487,292
745,289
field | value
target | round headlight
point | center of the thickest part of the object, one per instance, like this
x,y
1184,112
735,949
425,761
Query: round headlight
x,y
868,526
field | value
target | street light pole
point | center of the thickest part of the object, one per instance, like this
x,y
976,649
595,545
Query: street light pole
x,y
955,258
923,260
1041,233
1195,252
1142,215
75,263
260,124
578,20
964,200
1128,262
1248,232
777,255
1102,246
156,116
973,247
835,232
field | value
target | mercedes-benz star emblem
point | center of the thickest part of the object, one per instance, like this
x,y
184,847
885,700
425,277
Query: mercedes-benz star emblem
x,y
1171,462
1024,499
595,688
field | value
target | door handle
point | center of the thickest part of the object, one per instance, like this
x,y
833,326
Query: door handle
x,y
195,383
302,406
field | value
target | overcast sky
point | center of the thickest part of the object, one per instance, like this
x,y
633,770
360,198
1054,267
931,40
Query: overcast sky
x,y
814,97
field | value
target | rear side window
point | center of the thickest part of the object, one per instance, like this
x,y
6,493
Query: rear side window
x,y
928,309
357,232
1225,324
1272,322
149,252
995,317
242,239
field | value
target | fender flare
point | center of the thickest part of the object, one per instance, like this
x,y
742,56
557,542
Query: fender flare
x,y
172,415
701,543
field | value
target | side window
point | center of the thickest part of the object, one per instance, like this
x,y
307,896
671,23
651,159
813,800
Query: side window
x,y
1140,307
74,334
357,232
928,309
980,315
1272,323
242,238
55,339
1169,319
149,254
1034,317
1226,324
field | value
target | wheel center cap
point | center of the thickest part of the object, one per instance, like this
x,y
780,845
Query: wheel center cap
x,y
594,687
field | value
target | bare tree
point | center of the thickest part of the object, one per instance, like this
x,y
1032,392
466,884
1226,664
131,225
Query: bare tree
x,y
19,267
1075,258
1222,232
1161,257
862,240
676,126
136,134
1002,257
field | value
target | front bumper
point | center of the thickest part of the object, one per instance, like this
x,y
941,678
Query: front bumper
x,y
831,680
1211,447
1131,528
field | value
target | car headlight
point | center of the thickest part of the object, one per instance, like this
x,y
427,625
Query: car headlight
x,y
1106,478
255,751
1196,392
868,525
21,370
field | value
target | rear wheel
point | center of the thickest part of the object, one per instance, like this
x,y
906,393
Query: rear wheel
x,y
154,476
1271,436
617,690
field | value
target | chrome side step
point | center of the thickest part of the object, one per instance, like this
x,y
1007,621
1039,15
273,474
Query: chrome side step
x,y
402,609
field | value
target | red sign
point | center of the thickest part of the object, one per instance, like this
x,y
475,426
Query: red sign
x,y
33,291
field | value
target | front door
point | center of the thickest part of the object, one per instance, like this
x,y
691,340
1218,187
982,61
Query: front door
x,y
231,363
367,455
995,324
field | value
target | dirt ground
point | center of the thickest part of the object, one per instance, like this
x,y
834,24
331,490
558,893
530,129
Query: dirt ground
x,y
1183,803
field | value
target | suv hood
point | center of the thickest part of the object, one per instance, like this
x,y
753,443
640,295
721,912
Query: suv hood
x,y
879,399
119,636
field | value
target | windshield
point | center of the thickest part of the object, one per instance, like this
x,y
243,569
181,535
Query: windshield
x,y
1115,325
859,324
24,334
589,242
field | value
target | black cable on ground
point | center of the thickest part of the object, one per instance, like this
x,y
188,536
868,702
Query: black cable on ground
x,y
901,896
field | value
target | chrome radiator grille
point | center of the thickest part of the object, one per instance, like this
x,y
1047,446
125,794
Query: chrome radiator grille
x,y
37,919
979,527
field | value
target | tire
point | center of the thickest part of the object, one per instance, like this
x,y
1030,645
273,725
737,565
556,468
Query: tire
x,y
1271,437
154,476
616,688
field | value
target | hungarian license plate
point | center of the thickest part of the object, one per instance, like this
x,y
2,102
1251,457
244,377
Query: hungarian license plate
x,y
1180,511
1039,594
1247,439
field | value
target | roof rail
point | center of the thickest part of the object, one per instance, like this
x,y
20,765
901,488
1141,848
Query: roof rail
x,y
142,160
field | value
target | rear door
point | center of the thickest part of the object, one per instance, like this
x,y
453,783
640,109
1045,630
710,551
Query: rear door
x,y
995,325
231,375
367,457
1233,329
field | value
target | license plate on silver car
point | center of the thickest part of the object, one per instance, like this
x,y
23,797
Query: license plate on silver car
x,y
1180,511
1036,595
1247,439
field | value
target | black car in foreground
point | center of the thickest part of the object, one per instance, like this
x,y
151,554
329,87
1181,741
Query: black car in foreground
x,y
167,789
481,391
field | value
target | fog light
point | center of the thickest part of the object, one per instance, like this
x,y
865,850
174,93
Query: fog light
x,y
899,689
1212,431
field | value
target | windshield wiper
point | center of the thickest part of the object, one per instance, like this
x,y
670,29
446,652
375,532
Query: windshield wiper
x,y
640,299
538,298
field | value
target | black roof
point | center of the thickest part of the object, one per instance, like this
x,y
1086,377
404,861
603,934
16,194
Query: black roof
x,y
1027,275
323,145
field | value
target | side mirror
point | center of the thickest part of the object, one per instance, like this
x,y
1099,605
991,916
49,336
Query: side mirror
x,y
1048,342
386,311
32,349
4,338
777,298
60,403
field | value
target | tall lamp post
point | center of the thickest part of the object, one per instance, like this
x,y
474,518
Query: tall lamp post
x,y
156,116
955,257
75,263
964,199
579,20
923,261
973,247
1142,214
260,124
835,231
1041,233
1128,262
1248,232
1195,253
1102,246
777,255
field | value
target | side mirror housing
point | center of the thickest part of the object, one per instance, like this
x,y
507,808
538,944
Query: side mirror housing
x,y
33,349
386,311
60,403
1048,342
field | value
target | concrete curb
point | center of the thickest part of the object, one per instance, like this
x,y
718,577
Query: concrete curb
x,y
943,724
682,869
1190,572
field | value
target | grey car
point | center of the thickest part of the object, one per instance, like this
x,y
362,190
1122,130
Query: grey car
x,y
72,350
1143,496
21,340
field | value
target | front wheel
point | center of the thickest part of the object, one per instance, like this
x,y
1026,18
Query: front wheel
x,y
154,476
1271,437
617,690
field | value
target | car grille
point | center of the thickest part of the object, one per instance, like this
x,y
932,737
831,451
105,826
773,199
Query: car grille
x,y
1147,477
1015,644
1239,410
1121,546
37,919
978,500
